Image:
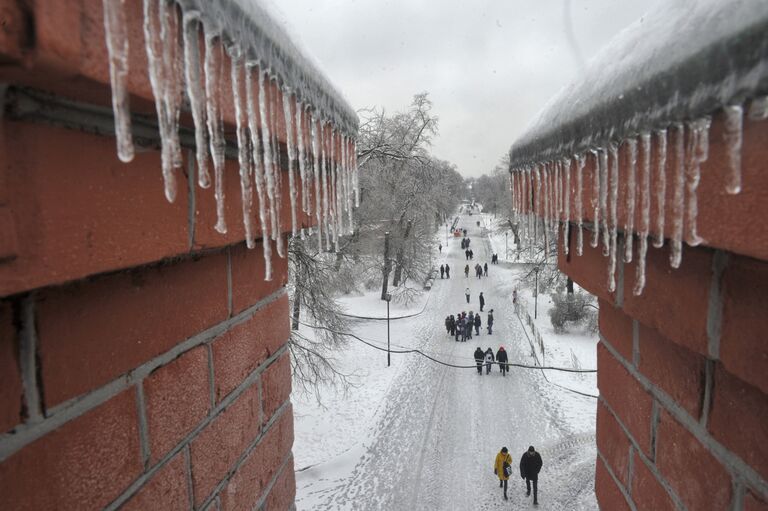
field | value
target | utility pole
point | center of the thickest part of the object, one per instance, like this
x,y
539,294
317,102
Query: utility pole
x,y
387,267
388,297
506,247
536,293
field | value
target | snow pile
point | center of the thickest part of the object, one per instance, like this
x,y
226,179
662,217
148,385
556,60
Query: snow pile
x,y
655,85
269,78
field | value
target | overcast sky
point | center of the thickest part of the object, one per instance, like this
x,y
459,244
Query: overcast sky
x,y
489,65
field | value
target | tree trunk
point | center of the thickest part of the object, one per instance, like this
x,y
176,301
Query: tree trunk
x,y
296,311
386,269
400,256
569,285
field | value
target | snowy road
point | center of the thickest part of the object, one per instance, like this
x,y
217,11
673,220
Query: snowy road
x,y
440,427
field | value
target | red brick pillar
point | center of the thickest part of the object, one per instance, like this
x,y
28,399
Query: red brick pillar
x,y
682,419
143,358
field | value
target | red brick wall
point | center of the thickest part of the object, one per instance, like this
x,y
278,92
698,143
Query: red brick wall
x,y
143,359
682,418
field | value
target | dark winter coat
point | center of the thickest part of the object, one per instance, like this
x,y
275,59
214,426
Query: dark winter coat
x,y
530,465
478,321
490,319
482,300
479,355
501,358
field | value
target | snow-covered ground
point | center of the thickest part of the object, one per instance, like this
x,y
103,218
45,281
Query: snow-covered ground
x,y
421,435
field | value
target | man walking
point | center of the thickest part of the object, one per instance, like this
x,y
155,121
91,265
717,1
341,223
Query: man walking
x,y
501,358
502,467
490,322
530,465
479,356
485,267
466,271
482,301
447,271
466,293
478,323
488,360
442,271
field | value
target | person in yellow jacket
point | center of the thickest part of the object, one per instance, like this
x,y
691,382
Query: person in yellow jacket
x,y
502,467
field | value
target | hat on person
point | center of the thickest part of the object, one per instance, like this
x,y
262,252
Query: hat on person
x,y
504,450
531,449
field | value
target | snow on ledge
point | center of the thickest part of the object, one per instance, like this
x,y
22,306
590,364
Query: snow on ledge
x,y
683,61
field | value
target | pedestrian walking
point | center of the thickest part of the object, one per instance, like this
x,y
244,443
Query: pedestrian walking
x,y
485,267
447,271
488,360
466,293
502,467
440,248
471,254
501,358
466,271
478,323
530,466
478,271
448,324
459,328
479,357
489,321
452,325
470,324
482,301
442,271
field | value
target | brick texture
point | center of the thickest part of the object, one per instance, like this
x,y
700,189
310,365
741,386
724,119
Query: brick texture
x,y
177,398
276,385
248,285
647,492
608,494
625,396
674,369
613,444
85,464
167,490
753,503
11,392
743,349
616,328
695,475
220,444
738,420
246,346
283,493
92,332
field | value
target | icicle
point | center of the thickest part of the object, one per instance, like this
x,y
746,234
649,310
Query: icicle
x,y
678,197
316,174
732,136
596,200
536,207
332,211
213,71
324,184
258,170
579,204
243,158
661,187
629,225
302,158
117,45
348,173
567,205
291,156
758,108
266,142
603,156
196,94
613,212
557,174
356,174
697,154
645,212
158,17
547,210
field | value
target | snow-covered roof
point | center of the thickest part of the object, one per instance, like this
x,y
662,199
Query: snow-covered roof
x,y
249,25
680,62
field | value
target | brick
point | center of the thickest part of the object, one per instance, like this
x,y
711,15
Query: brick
x,y
626,397
259,467
743,349
613,444
616,328
753,503
248,284
216,449
244,347
168,489
11,390
276,385
84,464
92,332
675,370
590,270
283,492
738,420
648,493
115,216
674,302
608,494
177,398
706,487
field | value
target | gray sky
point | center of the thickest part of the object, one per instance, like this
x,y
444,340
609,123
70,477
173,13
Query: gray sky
x,y
489,65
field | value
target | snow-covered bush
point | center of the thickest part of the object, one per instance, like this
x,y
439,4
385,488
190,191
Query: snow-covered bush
x,y
574,310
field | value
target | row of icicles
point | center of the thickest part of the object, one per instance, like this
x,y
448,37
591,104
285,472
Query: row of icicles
x,y
544,188
324,157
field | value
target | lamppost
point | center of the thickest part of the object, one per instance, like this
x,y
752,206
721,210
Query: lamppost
x,y
388,297
535,293
506,247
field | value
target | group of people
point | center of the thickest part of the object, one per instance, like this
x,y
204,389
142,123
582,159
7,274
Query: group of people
x,y
530,466
460,326
486,358
445,271
495,259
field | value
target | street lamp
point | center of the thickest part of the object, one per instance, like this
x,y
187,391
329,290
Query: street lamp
x,y
388,297
506,247
536,293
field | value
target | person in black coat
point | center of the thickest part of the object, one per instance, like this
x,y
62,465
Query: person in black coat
x,y
482,301
485,269
447,271
489,322
442,271
501,358
479,357
530,465
478,323
489,359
